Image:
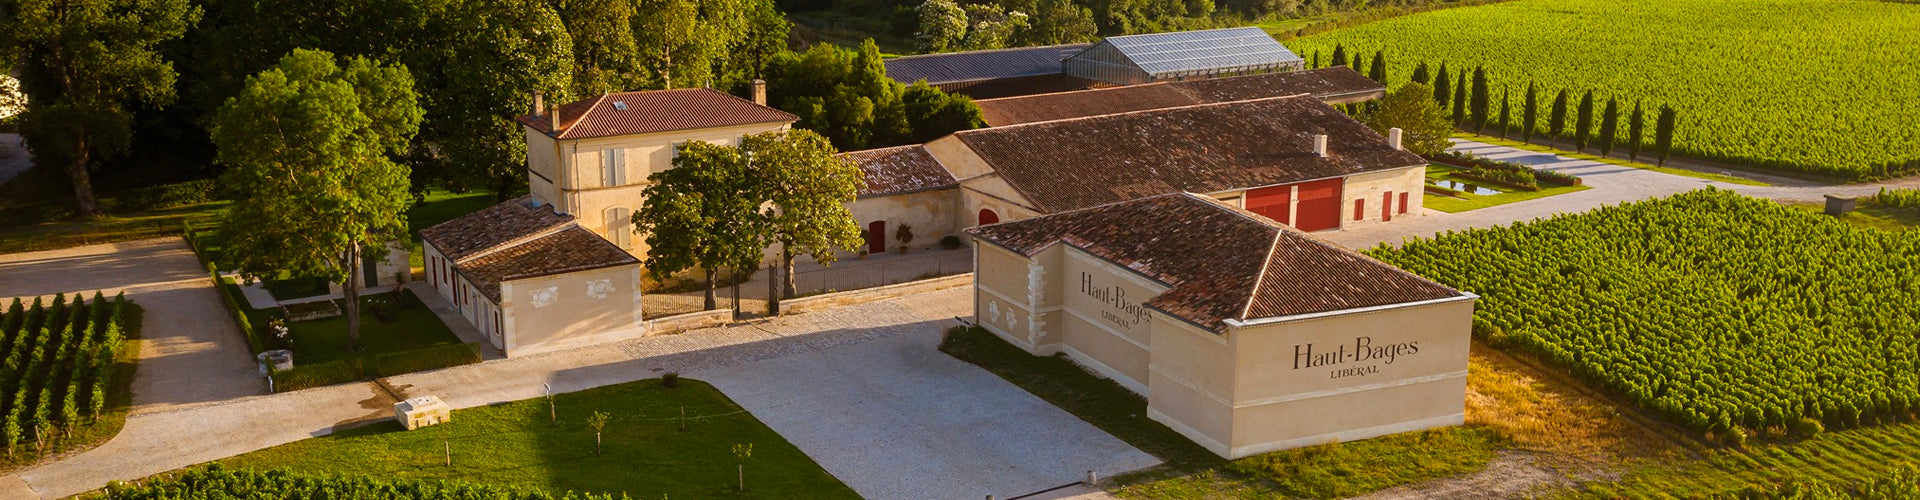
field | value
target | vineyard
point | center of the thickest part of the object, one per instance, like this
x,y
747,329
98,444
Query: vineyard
x,y
59,360
1819,86
1725,313
216,482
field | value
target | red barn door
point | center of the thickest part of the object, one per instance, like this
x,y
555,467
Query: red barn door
x,y
1319,205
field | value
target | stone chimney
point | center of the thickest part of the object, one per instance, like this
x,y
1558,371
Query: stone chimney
x,y
759,91
1320,145
1394,135
553,119
539,103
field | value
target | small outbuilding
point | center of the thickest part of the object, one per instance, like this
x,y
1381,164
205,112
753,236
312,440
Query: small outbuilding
x,y
422,411
1181,55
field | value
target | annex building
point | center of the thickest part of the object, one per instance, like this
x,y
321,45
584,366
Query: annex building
x,y
1117,60
1244,335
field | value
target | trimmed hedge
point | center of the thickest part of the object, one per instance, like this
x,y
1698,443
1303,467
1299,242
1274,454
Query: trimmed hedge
x,y
235,306
431,358
316,375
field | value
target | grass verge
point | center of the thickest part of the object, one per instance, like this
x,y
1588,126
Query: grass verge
x,y
1882,218
1610,161
113,416
107,228
646,454
1468,201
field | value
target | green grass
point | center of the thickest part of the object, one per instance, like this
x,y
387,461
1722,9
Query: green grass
x,y
513,444
107,229
325,340
1882,218
295,288
1816,86
1193,472
1465,202
1611,161
1832,457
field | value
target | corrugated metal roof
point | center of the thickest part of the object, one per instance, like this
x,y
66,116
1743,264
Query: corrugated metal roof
x,y
981,64
1204,51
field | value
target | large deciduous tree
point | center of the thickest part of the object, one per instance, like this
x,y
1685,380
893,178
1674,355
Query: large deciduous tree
x,y
703,213
605,56
308,145
1056,22
495,54
943,25
807,189
84,64
666,33
1423,123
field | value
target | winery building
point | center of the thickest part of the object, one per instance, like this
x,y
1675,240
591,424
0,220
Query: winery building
x,y
1244,335
1117,60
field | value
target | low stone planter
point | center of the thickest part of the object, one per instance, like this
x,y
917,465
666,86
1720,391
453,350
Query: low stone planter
x,y
275,359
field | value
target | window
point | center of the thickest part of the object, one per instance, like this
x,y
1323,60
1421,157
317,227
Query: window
x,y
613,167
1359,209
620,226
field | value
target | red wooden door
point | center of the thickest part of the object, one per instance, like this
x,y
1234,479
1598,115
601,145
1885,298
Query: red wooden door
x,y
1273,202
1386,207
1403,202
1319,205
877,237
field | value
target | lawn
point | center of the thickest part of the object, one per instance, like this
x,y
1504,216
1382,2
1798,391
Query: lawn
x,y
322,340
1825,87
106,229
1885,219
1193,472
1467,201
441,206
646,453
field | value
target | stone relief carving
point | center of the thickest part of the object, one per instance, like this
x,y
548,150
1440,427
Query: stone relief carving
x,y
599,288
543,297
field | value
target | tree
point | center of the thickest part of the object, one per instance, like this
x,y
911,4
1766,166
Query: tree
x,y
990,26
1423,123
598,422
1442,88
496,53
1506,111
1583,124
766,37
1481,100
1663,132
1339,55
704,212
1636,132
933,114
1056,22
605,56
664,29
1378,70
84,65
943,25
1460,101
807,188
1530,113
1421,74
847,97
743,452
1557,119
308,147
1609,127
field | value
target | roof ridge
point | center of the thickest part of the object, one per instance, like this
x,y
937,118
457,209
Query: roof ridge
x,y
1260,279
558,134
1136,112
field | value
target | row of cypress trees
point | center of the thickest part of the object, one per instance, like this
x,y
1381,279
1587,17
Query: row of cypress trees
x,y
1469,97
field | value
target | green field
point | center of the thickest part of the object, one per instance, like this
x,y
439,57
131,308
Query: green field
x,y
1828,87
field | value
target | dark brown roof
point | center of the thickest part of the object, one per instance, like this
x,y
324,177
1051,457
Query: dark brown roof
x,y
655,111
564,251
1219,262
899,170
492,227
979,65
1070,164
1337,83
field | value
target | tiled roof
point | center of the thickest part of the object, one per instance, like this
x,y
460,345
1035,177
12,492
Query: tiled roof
x,y
492,227
1326,84
899,170
567,250
980,64
1070,164
628,113
1219,262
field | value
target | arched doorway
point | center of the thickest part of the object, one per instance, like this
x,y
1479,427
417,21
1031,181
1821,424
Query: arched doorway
x,y
988,217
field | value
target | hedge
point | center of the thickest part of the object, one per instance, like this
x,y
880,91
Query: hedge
x,y
316,375
431,358
239,311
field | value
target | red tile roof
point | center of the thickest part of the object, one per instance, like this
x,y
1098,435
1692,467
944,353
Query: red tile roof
x,y
654,111
899,170
571,249
1335,84
1071,164
1219,262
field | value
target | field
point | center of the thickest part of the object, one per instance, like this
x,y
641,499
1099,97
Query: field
x,y
1817,86
59,368
1723,313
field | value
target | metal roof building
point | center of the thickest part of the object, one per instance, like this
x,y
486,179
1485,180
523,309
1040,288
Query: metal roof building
x,y
985,74
1135,59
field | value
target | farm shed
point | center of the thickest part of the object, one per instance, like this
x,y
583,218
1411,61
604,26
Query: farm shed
x,y
1181,55
1335,85
986,74
1244,335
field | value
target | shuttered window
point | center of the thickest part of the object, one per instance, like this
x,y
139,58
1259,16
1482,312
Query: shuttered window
x,y
620,226
613,167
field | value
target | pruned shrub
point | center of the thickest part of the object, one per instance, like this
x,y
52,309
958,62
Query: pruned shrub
x,y
316,375
670,380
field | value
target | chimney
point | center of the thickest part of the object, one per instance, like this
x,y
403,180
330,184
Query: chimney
x,y
553,119
1320,145
539,103
1393,137
759,91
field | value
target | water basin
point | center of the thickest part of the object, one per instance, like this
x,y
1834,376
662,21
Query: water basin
x,y
1463,187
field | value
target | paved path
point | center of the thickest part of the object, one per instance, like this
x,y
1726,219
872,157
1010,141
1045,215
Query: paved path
x,y
1611,185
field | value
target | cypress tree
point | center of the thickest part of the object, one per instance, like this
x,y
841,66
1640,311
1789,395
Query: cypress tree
x,y
1378,70
1636,132
1442,88
1460,102
1583,124
1663,132
1315,62
1359,64
1339,55
1609,127
1481,100
1506,111
1420,74
1557,120
1530,114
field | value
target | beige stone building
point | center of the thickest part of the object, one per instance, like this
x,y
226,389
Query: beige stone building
x,y
1243,334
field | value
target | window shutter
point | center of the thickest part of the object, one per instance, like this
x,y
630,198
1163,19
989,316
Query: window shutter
x,y
620,167
606,168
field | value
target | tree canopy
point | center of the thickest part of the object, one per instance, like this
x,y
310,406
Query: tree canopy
x,y
1424,125
703,213
847,97
807,189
